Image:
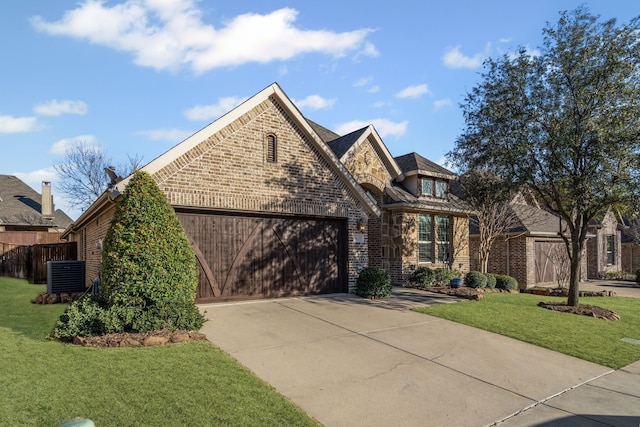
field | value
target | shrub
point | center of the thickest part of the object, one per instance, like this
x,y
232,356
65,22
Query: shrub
x,y
475,279
422,276
373,282
149,273
491,280
442,276
146,256
83,317
506,282
638,276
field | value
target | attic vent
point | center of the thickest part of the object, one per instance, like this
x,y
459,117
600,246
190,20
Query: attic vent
x,y
272,149
65,277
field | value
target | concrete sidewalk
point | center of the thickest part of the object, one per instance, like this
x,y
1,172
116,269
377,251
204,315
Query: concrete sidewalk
x,y
349,361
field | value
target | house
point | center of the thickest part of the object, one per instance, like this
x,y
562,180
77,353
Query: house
x,y
533,251
26,217
276,205
604,249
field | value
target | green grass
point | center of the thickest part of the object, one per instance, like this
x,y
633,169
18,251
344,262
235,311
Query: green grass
x,y
45,383
518,316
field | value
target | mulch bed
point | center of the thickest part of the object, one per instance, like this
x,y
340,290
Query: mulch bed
x,y
581,309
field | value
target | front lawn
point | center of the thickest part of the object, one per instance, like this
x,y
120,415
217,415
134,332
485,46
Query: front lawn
x,y
45,383
519,317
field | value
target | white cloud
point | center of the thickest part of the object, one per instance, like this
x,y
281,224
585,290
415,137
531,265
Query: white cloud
x,y
35,178
10,124
172,34
56,108
440,104
315,102
61,147
213,111
373,89
456,59
379,104
385,127
168,135
363,81
415,91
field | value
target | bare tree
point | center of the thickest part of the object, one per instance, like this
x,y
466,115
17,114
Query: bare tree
x,y
493,215
82,173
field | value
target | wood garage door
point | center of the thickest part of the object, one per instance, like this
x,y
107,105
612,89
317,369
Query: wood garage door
x,y
242,257
551,260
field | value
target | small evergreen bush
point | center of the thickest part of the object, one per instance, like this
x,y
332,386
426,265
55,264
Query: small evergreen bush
x,y
475,279
506,282
373,282
491,280
638,276
422,276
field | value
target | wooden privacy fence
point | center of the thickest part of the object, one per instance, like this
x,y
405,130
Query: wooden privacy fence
x,y
30,262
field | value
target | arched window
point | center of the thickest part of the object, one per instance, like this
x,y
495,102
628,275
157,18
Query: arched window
x,y
272,148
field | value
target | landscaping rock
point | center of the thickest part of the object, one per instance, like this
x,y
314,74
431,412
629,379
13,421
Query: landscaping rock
x,y
155,340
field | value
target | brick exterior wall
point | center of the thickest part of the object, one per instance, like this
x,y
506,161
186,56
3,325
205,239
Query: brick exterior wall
x,y
229,172
89,241
516,257
630,257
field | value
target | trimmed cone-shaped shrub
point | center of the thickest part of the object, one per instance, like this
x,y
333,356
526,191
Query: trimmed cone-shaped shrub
x,y
475,279
149,274
146,256
373,282
147,261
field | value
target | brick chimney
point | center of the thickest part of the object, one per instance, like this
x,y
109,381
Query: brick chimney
x,y
47,199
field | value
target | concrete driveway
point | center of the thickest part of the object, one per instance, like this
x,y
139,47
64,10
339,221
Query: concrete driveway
x,y
349,361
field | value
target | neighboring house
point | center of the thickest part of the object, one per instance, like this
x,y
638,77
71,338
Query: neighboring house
x,y
605,248
26,217
630,246
532,252
276,205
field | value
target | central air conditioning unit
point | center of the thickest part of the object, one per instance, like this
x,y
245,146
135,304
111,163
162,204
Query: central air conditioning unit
x,y
65,277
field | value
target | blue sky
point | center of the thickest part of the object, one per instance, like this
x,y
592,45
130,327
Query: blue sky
x,y
137,76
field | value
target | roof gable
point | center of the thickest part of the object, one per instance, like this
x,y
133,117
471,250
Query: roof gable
x,y
348,144
172,160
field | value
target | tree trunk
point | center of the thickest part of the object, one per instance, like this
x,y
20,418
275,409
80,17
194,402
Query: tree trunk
x,y
574,281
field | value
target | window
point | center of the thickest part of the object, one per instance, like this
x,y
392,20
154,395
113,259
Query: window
x,y
433,187
427,186
272,149
425,238
443,238
610,249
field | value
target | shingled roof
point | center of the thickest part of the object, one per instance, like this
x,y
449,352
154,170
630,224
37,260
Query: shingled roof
x,y
415,163
20,205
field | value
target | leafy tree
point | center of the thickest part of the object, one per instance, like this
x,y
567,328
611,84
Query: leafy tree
x,y
147,262
82,173
564,123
